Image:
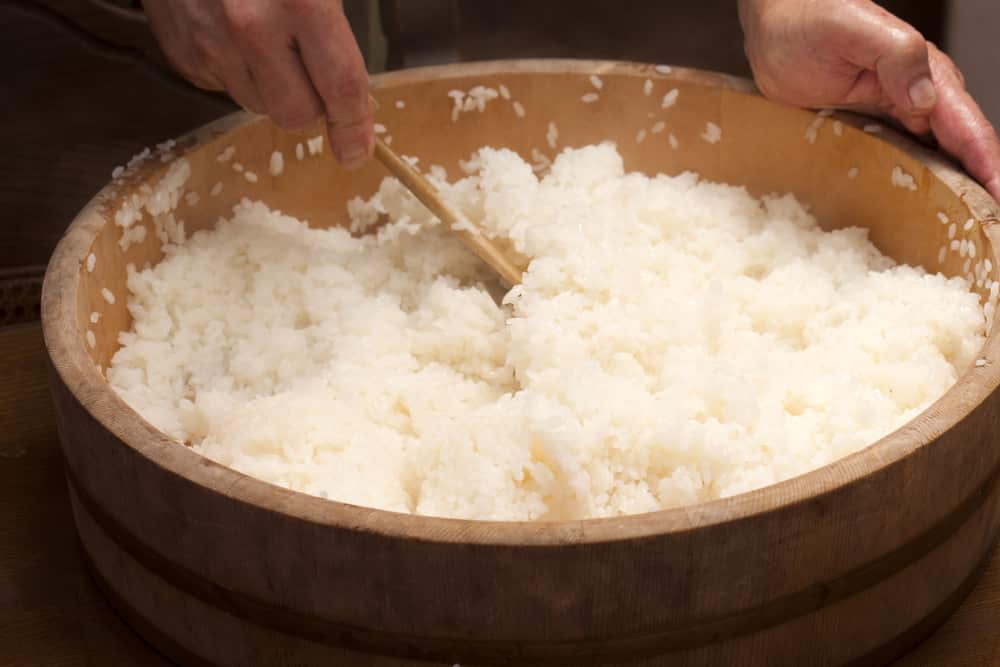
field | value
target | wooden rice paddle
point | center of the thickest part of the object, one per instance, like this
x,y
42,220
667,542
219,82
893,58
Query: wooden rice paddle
x,y
428,195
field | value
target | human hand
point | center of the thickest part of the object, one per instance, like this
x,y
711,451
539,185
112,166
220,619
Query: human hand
x,y
294,60
852,54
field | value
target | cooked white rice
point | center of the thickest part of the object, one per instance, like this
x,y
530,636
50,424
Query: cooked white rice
x,y
277,163
673,341
670,99
901,179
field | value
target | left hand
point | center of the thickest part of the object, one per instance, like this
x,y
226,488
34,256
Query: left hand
x,y
295,61
852,54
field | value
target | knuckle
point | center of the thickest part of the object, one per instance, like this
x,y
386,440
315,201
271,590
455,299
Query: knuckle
x,y
347,121
243,18
944,67
348,136
346,100
348,86
296,115
206,47
768,88
910,44
958,75
956,72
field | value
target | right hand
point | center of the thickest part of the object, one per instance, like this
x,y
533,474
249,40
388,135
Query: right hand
x,y
852,54
294,60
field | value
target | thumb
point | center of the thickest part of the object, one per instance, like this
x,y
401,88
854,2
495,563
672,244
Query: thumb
x,y
875,40
337,70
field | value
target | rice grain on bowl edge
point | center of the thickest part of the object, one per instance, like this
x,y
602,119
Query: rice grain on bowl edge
x,y
673,341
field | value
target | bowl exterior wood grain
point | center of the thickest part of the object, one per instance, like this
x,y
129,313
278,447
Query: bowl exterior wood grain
x,y
850,564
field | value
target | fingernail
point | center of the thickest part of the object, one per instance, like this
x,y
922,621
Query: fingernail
x,y
922,93
352,156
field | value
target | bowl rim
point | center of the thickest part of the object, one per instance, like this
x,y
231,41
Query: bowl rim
x,y
65,344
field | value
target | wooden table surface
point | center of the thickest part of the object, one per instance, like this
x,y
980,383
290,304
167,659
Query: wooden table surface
x,y
51,614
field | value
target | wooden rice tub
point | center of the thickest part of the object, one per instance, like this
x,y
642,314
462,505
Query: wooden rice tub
x,y
850,564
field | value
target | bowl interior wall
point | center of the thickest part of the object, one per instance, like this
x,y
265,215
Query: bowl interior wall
x,y
763,146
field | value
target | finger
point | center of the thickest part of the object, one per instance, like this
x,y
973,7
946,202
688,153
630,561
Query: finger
x,y
937,56
285,88
280,82
338,73
961,128
874,39
242,24
239,83
203,72
868,97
